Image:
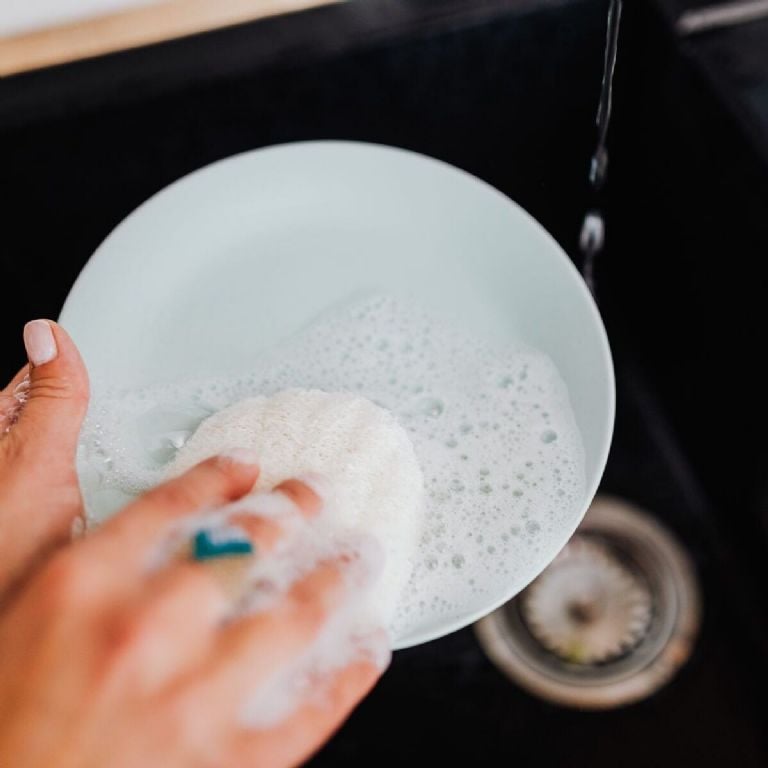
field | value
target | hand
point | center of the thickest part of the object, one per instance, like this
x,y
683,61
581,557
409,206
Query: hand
x,y
41,412
104,664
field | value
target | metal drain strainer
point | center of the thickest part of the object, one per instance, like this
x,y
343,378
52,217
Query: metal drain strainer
x,y
608,622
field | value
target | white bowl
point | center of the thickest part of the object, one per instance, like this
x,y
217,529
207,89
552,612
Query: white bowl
x,y
228,260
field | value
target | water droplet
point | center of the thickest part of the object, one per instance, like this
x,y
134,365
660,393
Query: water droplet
x,y
430,406
532,527
457,561
452,442
486,488
548,436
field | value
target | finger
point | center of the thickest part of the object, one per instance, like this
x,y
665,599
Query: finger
x,y
37,454
128,537
40,447
263,521
251,649
299,736
307,492
57,397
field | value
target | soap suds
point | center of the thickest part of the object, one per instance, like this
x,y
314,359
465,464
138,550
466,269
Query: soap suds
x,y
491,427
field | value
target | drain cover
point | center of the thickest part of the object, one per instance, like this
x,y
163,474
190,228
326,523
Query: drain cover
x,y
608,622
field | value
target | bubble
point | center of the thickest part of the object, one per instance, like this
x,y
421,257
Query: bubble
x,y
449,390
532,527
431,407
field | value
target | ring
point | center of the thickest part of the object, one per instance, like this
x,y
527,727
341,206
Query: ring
x,y
227,554
220,542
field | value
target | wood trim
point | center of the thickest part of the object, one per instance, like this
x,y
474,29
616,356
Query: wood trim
x,y
134,27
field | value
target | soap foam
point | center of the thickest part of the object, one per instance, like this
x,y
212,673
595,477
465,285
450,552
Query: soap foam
x,y
352,632
491,427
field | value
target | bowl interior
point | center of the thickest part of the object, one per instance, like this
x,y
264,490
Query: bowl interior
x,y
230,259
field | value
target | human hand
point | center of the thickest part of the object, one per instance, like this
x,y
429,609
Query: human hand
x,y
41,412
107,664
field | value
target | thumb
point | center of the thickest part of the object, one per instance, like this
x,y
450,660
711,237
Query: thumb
x,y
57,397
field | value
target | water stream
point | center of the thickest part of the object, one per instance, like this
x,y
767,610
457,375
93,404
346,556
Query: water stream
x,y
592,237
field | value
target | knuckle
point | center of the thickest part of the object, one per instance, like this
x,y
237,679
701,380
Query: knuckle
x,y
188,490
55,388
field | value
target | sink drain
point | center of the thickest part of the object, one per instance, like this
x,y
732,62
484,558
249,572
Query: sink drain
x,y
609,622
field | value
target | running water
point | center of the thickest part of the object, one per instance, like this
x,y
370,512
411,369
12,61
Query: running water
x,y
592,235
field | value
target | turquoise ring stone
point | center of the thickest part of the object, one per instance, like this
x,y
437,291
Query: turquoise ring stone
x,y
215,544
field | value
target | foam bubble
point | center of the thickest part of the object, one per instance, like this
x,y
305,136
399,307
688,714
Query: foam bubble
x,y
489,426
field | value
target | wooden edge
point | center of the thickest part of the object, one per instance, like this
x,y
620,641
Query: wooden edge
x,y
135,27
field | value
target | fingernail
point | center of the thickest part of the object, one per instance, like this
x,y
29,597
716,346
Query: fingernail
x,y
39,342
317,483
240,456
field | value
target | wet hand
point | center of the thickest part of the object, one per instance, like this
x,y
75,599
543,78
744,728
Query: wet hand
x,y
41,412
105,662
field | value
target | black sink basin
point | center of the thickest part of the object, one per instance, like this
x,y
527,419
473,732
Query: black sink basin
x,y
506,90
